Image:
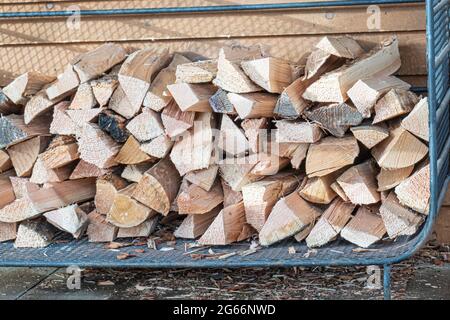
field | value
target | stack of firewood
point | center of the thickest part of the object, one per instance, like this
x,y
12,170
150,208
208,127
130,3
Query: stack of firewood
x,y
244,145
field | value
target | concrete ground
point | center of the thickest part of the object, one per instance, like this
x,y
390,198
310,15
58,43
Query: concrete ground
x,y
426,276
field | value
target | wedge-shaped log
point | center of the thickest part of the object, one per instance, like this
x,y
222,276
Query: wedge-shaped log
x,y
176,121
370,135
230,196
236,172
365,228
416,121
297,132
230,76
397,219
94,63
41,174
103,89
106,190
253,105
414,192
401,149
145,229
5,161
60,156
130,153
14,130
69,219
24,154
289,216
100,230
25,86
335,118
97,147
7,106
229,226
203,178
232,139
62,124
197,72
8,231
343,47
196,200
36,233
126,212
299,155
388,179
330,154
192,97
359,184
146,125
87,170
82,117
84,98
114,125
255,130
66,83
366,92
272,74
333,86
393,104
120,104
330,223
157,96
158,187
290,104
7,194
268,164
38,105
318,189
158,147
194,225
220,103
134,172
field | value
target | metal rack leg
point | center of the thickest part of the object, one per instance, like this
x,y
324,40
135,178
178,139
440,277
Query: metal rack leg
x,y
387,281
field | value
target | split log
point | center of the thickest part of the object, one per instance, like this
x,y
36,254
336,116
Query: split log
x,y
94,63
134,172
146,125
335,118
333,86
84,98
393,104
194,150
414,192
289,216
62,124
260,197
366,92
330,223
7,106
230,196
21,186
203,71
397,219
388,179
159,186
229,226
5,161
99,230
299,155
192,97
330,154
158,147
318,189
339,191
359,184
343,47
96,147
7,194
14,130
82,117
37,106
272,74
255,130
416,121
137,72
157,96
290,103
126,212
176,121
130,153
195,225
220,103
203,178
60,156
365,228
106,190
253,105
69,219
41,174
34,234
8,231
103,89
62,194
297,132
183,187
401,149
114,125
196,200
24,154
268,164
145,229
87,170
370,135
65,84
232,139
230,76
236,172
25,86
120,104
19,210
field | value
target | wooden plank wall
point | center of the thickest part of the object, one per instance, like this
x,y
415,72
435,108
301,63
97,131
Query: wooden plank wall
x,y
47,44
